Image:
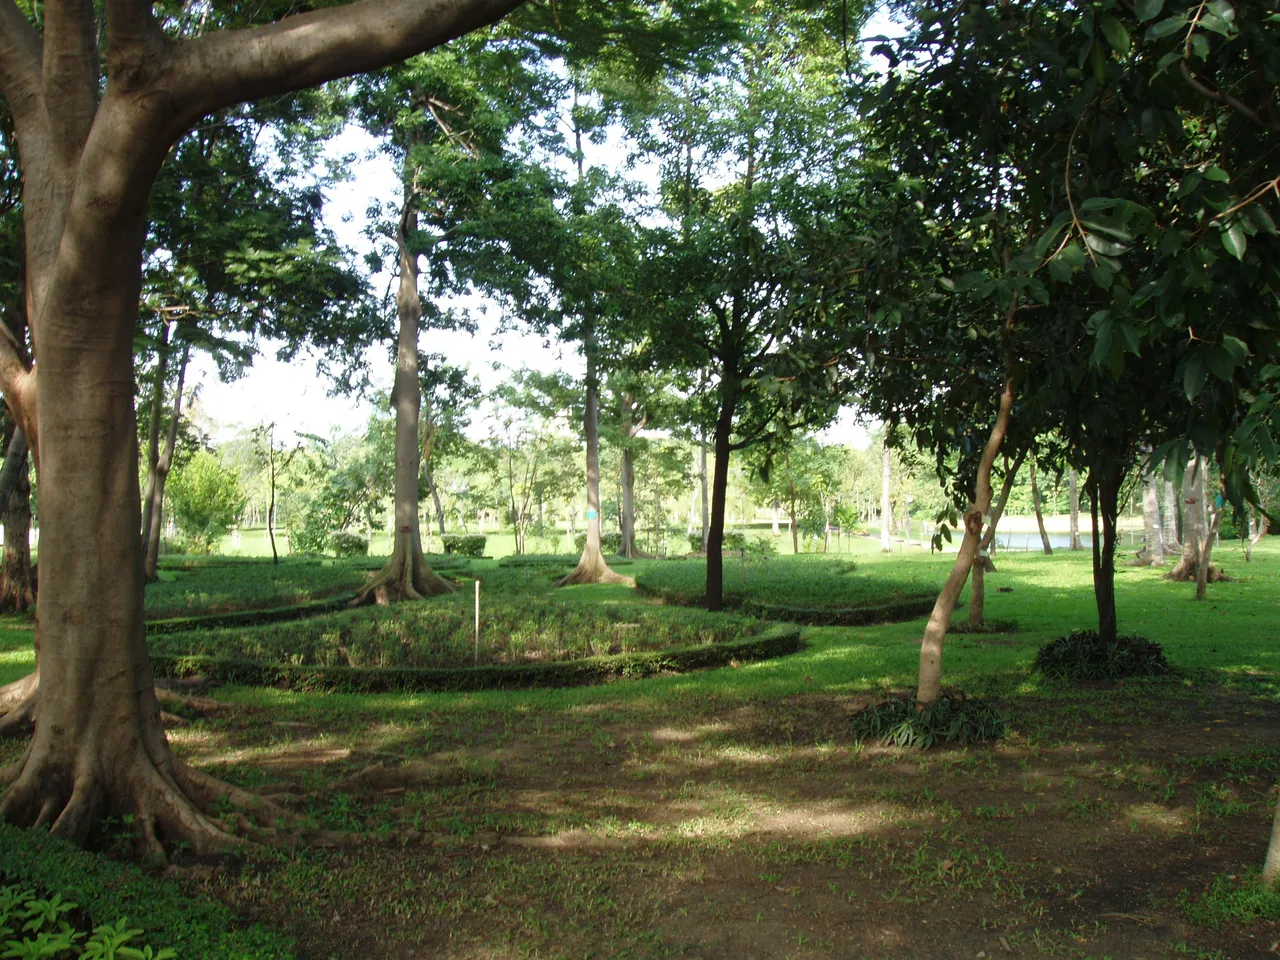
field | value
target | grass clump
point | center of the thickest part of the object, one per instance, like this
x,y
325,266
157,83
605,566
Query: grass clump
x,y
1232,900
952,718
1085,656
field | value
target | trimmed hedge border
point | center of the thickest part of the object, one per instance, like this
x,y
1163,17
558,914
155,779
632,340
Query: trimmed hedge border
x,y
863,615
107,890
221,671
248,618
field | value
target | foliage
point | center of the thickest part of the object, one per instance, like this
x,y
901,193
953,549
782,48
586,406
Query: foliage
x,y
206,498
42,928
1085,656
610,541
951,718
102,888
337,483
464,545
346,544
1232,900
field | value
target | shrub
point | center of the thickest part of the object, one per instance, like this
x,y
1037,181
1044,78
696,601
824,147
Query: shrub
x,y
610,543
346,544
1231,901
952,718
1084,655
464,544
206,499
695,542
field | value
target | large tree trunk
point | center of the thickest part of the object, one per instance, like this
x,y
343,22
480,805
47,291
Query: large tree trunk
x,y
1152,553
886,501
1169,528
1073,488
1203,567
1035,501
592,567
719,493
155,517
935,632
16,594
406,575
1104,496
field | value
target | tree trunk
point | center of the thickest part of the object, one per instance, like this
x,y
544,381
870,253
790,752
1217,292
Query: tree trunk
x,y
406,575
1193,525
1260,530
1170,528
1152,553
886,503
1035,502
706,502
628,477
1271,868
271,501
935,632
153,432
435,496
791,508
592,567
1104,494
719,492
163,465
1203,567
16,594
1073,488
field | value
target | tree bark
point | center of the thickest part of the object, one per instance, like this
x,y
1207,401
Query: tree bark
x,y
628,513
886,502
1194,524
406,575
719,493
791,507
1104,494
1035,502
1271,868
935,632
154,521
430,480
153,432
1169,528
1203,567
1073,487
1261,525
706,502
16,594
1152,553
592,566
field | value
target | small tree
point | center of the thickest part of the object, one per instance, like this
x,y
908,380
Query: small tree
x,y
207,499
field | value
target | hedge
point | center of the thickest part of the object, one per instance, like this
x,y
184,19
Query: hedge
x,y
247,618
107,890
220,671
464,544
859,615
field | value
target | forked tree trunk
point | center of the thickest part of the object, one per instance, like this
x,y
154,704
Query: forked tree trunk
x,y
1152,553
719,493
1169,528
1204,569
1073,488
935,632
886,501
1104,496
1035,501
592,566
1194,523
406,575
154,521
982,562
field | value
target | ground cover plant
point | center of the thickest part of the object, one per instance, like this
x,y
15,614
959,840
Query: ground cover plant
x,y
248,585
1084,655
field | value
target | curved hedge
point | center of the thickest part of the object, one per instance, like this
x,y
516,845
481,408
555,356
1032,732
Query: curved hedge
x,y
247,618
774,642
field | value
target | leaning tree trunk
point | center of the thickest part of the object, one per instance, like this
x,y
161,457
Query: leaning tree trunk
x,y
719,493
1152,553
935,632
592,566
1169,527
1035,502
1073,488
155,517
1104,497
1204,569
886,501
406,575
1262,524
982,562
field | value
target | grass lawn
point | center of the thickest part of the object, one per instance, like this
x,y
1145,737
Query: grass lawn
x,y
727,814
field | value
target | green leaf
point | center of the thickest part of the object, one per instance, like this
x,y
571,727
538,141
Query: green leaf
x,y
1262,219
1236,348
1217,175
1060,270
1215,23
1108,248
1194,375
1102,275
1116,35
1235,241
1149,9
1165,27
1200,46
1099,61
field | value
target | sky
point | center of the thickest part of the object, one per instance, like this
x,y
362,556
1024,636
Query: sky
x,y
297,396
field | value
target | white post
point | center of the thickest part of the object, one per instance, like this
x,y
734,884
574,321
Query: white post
x,y
477,656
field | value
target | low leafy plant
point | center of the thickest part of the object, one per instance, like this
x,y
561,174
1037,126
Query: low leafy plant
x,y
1085,656
464,544
952,718
31,927
1232,900
347,544
610,543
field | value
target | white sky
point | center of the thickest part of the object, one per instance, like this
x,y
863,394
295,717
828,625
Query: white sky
x,y
296,396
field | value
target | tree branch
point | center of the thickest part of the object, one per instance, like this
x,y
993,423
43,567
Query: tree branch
x,y
229,66
70,73
19,61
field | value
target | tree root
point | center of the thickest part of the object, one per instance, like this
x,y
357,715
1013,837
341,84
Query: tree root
x,y
592,568
404,578
19,690
23,696
21,719
1186,572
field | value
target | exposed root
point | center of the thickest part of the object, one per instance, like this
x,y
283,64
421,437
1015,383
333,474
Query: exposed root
x,y
404,578
201,705
592,568
210,791
1186,571
19,690
21,720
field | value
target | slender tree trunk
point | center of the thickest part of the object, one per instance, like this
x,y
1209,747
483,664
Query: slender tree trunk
x,y
1073,492
1170,528
791,507
935,632
1203,567
706,502
719,492
886,503
153,432
1260,530
1104,493
271,501
1035,501
152,560
1152,553
435,496
592,566
1194,523
628,512
1271,868
406,575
